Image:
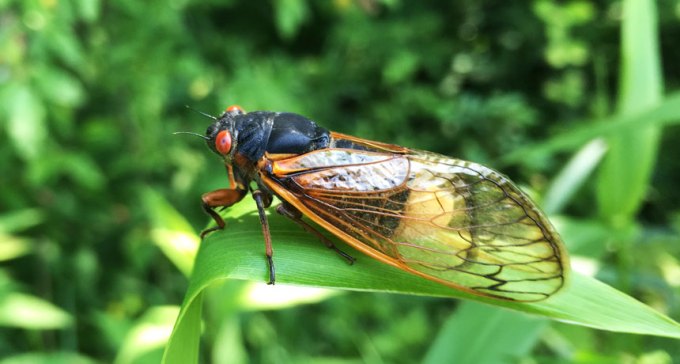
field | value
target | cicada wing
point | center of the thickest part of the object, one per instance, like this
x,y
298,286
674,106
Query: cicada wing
x,y
452,221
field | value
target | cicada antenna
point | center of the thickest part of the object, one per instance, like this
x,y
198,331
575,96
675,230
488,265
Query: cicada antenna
x,y
200,112
192,133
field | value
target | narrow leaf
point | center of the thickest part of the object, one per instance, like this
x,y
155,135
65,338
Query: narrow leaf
x,y
664,113
171,232
238,253
149,334
628,165
183,347
30,312
500,336
573,176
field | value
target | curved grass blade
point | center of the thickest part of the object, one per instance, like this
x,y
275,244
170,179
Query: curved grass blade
x,y
663,113
238,253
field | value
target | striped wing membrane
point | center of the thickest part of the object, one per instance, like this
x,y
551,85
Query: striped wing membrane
x,y
451,221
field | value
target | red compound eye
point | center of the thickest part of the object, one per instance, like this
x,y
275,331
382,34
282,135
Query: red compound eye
x,y
223,142
234,109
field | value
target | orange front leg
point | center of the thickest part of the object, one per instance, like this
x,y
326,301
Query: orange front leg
x,y
224,198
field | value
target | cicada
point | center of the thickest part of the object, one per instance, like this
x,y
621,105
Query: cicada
x,y
448,220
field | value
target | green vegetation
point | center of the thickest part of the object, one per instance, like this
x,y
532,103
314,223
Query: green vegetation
x,y
99,203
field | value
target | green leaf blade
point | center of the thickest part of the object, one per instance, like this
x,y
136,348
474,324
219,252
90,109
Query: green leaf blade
x,y
627,168
300,259
500,336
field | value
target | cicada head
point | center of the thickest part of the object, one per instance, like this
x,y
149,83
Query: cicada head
x,y
221,136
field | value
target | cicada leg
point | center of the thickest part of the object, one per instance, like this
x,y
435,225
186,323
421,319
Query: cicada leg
x,y
264,200
219,198
292,213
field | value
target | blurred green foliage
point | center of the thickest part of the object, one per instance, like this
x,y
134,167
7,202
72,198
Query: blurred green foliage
x,y
90,92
